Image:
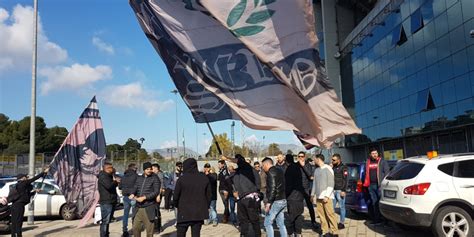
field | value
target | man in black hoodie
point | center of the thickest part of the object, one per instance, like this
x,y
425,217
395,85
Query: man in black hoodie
x,y
247,187
295,198
127,186
147,188
19,199
192,196
107,196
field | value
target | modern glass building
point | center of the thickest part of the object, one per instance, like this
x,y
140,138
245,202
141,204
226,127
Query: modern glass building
x,y
407,76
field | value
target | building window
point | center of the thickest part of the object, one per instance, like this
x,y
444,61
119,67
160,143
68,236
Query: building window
x,y
425,101
416,21
398,35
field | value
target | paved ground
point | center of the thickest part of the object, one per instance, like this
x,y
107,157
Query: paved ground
x,y
355,226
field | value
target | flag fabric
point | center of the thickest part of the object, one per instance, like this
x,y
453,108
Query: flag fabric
x,y
78,162
268,84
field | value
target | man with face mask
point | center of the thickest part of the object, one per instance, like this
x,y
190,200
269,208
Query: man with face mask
x,y
21,197
147,188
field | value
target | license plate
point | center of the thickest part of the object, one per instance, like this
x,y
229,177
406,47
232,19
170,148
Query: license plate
x,y
389,194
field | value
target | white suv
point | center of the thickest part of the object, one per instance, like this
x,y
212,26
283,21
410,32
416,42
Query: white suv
x,y
436,193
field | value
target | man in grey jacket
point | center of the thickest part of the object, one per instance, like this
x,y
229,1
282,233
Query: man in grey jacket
x,y
147,188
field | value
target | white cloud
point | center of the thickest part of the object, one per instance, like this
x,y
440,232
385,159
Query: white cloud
x,y
168,144
103,46
16,37
72,77
133,95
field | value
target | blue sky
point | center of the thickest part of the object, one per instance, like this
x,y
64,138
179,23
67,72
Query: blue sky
x,y
89,48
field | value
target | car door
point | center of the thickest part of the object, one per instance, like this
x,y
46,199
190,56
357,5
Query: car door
x,y
40,201
46,194
58,201
464,179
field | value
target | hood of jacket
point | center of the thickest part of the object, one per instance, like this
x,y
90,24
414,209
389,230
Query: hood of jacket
x,y
129,172
190,166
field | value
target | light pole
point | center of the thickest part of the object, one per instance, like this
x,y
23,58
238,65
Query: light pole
x,y
31,161
263,146
175,92
232,137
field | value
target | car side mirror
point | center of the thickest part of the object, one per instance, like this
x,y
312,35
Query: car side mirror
x,y
51,192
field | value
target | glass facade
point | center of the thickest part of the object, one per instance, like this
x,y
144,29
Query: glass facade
x,y
415,73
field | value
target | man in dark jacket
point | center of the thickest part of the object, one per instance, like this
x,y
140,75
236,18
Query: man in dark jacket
x,y
375,171
192,197
295,198
225,188
127,186
247,183
281,162
307,172
21,197
276,197
340,186
212,176
147,188
107,196
157,171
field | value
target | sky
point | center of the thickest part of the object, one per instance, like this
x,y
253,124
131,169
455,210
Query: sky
x,y
87,48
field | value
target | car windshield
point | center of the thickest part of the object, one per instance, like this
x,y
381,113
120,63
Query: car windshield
x,y
405,170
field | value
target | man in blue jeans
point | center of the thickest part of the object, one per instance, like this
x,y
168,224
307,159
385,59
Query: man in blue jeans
x,y
276,197
375,171
340,186
127,186
107,196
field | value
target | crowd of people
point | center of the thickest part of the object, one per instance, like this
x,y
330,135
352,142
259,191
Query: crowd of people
x,y
276,191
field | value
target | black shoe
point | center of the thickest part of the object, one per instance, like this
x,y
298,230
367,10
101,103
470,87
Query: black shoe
x,y
315,226
341,226
125,234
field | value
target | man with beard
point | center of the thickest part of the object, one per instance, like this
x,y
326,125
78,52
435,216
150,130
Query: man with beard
x,y
225,188
108,196
147,188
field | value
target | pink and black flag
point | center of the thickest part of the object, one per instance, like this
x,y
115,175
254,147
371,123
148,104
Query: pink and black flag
x,y
77,163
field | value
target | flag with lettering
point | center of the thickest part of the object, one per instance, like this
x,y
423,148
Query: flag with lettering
x,y
288,91
78,162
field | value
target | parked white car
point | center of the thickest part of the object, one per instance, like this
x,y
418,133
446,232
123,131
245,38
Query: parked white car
x,y
48,202
436,193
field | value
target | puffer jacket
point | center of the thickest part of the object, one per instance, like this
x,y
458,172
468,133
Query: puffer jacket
x,y
148,186
127,185
275,185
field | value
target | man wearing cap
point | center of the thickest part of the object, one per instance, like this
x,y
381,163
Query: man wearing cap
x,y
147,188
23,196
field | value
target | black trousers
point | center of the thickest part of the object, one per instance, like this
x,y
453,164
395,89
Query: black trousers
x,y
157,221
295,219
309,204
225,201
168,197
18,212
247,212
182,228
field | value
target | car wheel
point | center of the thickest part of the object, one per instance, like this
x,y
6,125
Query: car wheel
x,y
67,212
452,221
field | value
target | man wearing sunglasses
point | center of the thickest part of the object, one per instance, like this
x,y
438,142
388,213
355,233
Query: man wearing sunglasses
x,y
307,172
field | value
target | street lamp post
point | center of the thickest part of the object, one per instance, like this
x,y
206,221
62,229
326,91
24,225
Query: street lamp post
x,y
31,161
175,92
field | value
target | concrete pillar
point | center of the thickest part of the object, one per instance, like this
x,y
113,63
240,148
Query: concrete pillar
x,y
331,40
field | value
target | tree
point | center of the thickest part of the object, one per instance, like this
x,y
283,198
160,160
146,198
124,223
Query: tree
x,y
52,140
245,151
273,149
224,143
4,123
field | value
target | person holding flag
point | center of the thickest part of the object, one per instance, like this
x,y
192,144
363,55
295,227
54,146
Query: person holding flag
x,y
20,196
